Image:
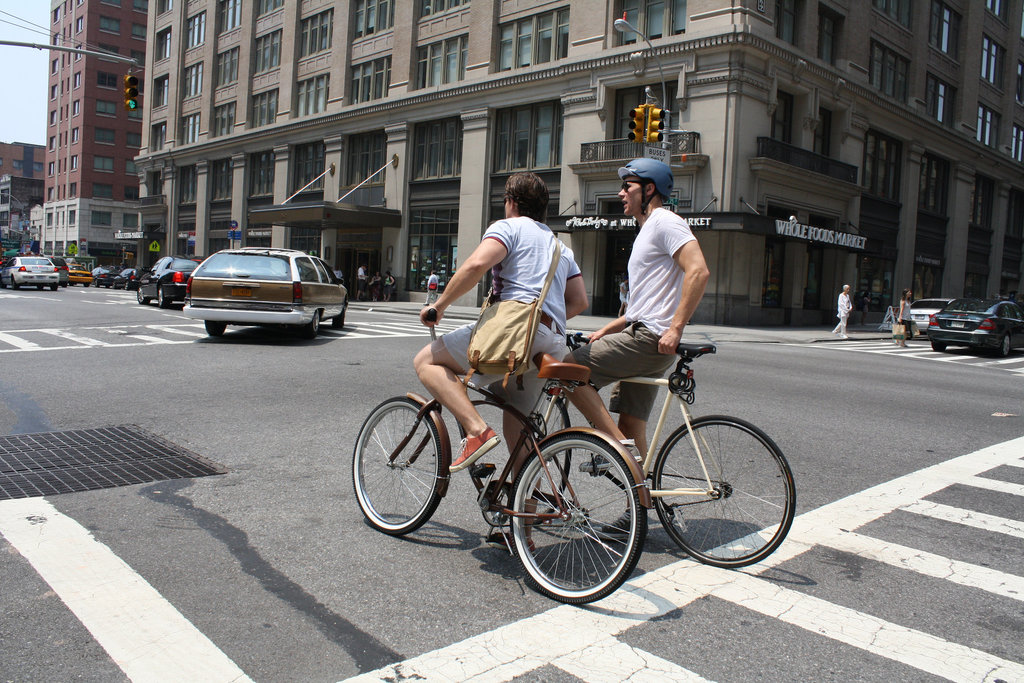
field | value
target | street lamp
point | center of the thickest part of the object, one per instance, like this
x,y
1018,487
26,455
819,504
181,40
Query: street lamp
x,y
623,26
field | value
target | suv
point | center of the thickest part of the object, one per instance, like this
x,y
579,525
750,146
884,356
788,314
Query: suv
x,y
62,270
165,281
265,286
29,270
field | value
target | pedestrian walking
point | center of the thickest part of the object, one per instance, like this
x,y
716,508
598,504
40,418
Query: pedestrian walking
x,y
361,283
904,317
375,283
865,303
389,285
843,308
623,296
433,282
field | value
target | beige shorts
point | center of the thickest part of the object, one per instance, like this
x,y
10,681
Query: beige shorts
x,y
633,352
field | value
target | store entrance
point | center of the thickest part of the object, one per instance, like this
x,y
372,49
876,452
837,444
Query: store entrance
x,y
349,260
618,247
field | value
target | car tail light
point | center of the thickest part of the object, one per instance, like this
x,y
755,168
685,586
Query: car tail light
x,y
296,292
987,324
56,269
188,287
179,277
932,322
23,269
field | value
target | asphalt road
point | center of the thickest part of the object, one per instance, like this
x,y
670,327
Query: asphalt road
x,y
274,575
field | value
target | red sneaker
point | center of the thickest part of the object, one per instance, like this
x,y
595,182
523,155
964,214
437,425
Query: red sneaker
x,y
473,447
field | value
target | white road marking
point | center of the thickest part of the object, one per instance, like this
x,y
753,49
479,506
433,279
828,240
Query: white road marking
x,y
170,329
612,661
142,632
977,520
18,343
71,336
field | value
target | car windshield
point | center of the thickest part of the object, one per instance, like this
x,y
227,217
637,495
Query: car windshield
x,y
970,306
183,264
257,266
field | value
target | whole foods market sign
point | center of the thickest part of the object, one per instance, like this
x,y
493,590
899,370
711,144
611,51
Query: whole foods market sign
x,y
793,228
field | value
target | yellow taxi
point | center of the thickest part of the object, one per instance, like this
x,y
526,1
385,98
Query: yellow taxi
x,y
79,275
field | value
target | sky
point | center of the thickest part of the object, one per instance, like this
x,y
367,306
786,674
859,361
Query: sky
x,y
23,72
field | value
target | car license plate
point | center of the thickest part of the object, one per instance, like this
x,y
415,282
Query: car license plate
x,y
957,323
241,291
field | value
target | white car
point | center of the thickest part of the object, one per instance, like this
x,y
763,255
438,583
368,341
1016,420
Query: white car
x,y
29,270
922,310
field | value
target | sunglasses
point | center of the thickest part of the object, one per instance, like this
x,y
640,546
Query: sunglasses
x,y
627,183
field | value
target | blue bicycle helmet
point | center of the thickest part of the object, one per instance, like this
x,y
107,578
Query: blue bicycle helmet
x,y
658,172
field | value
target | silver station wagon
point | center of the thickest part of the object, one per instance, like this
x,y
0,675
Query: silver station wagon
x,y
265,286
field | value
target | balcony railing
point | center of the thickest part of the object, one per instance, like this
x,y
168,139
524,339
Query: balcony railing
x,y
152,200
802,158
612,150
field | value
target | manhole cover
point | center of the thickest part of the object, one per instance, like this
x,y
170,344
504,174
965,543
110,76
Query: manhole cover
x,y
48,463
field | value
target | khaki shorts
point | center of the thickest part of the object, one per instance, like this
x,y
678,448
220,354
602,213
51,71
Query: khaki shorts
x,y
633,352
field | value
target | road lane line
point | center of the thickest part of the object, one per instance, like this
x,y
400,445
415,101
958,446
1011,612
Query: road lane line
x,y
142,632
977,520
178,330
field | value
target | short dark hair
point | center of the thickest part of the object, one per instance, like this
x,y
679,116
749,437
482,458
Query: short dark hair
x,y
530,195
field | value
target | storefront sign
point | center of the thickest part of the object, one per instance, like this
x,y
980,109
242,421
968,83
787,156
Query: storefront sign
x,y
924,260
822,235
600,222
125,235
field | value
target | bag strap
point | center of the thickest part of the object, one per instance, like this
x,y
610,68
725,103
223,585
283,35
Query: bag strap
x,y
551,271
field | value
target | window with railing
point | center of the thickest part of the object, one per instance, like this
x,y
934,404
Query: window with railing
x,y
940,99
992,55
534,40
220,180
528,137
316,33
196,30
442,62
372,16
371,80
224,119
187,184
227,67
882,156
897,10
261,173
656,18
944,29
190,128
888,71
308,164
193,80
437,149
268,52
988,126
264,108
311,95
933,190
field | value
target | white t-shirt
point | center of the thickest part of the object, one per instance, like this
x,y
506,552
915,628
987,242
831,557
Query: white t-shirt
x,y
655,280
433,281
520,275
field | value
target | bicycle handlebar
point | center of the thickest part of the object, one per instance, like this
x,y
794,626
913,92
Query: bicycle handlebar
x,y
432,318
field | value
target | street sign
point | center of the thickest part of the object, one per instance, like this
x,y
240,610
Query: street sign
x,y
154,246
233,225
656,152
72,249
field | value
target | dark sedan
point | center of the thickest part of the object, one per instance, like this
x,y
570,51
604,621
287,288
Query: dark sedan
x,y
166,281
978,323
103,276
128,279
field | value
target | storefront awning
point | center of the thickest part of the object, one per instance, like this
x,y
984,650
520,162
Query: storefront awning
x,y
325,215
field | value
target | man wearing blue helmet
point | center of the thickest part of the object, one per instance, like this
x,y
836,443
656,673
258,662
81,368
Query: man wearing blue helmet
x,y
667,277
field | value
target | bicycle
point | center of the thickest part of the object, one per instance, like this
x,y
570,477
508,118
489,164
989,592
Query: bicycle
x,y
722,488
557,494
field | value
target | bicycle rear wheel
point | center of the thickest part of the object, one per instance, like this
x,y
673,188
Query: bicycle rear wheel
x,y
397,496
753,501
586,553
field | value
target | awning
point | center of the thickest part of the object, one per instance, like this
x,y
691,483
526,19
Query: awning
x,y
325,215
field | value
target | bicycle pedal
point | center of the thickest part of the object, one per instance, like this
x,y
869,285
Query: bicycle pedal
x,y
595,466
481,470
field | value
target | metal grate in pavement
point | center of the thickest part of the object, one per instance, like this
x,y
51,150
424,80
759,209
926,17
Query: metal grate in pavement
x,y
48,463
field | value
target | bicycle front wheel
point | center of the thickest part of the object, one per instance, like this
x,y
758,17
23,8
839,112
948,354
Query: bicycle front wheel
x,y
397,495
752,501
591,543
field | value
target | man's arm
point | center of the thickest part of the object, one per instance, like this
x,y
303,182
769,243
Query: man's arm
x,y
690,258
485,256
575,297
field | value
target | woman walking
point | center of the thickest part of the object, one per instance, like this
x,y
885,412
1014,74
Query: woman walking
x,y
904,317
843,308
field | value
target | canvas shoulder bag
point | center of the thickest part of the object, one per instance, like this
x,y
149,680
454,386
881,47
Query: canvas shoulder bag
x,y
502,340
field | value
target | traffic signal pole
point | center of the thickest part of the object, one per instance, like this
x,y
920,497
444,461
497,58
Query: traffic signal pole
x,y
76,50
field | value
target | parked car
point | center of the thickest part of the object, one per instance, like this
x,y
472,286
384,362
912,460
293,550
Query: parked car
x,y
103,276
62,270
978,323
922,309
29,270
79,275
265,286
128,279
165,281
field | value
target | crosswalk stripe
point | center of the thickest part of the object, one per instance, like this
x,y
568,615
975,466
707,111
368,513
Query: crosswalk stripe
x,y
179,330
995,485
71,336
17,342
971,518
611,661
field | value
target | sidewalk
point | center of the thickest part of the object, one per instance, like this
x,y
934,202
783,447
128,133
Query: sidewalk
x,y
712,333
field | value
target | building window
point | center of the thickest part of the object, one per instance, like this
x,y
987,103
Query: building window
x,y
528,137
997,7
933,190
316,33
656,18
187,185
139,31
161,91
992,61
940,99
433,245
130,168
786,20
264,108
782,119
164,6
823,133
988,126
163,45
371,80
897,10
196,30
982,201
311,97
104,218
261,174
534,40
104,135
944,29
1017,146
1020,82
130,220
102,107
227,67
102,190
365,155
373,16
133,139
229,14
268,6
158,136
78,79
442,62
309,163
224,119
889,71
189,128
771,283
428,7
106,80
220,180
882,165
829,24
437,149
193,80
268,52
110,25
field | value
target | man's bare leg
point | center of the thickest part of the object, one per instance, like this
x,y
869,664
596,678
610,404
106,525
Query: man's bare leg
x,y
434,366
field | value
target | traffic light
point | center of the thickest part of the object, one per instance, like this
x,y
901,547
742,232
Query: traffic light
x,y
656,124
131,92
638,123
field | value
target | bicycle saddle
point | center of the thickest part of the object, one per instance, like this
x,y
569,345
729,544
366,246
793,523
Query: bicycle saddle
x,y
693,350
548,367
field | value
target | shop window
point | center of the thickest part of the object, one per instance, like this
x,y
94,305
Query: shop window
x,y
976,285
774,261
812,285
927,281
874,276
306,239
433,245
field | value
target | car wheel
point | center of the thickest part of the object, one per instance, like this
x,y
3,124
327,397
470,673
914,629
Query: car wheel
x,y
64,284
312,328
52,287
85,284
215,328
144,300
938,346
1005,344
40,287
14,285
338,321
161,297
